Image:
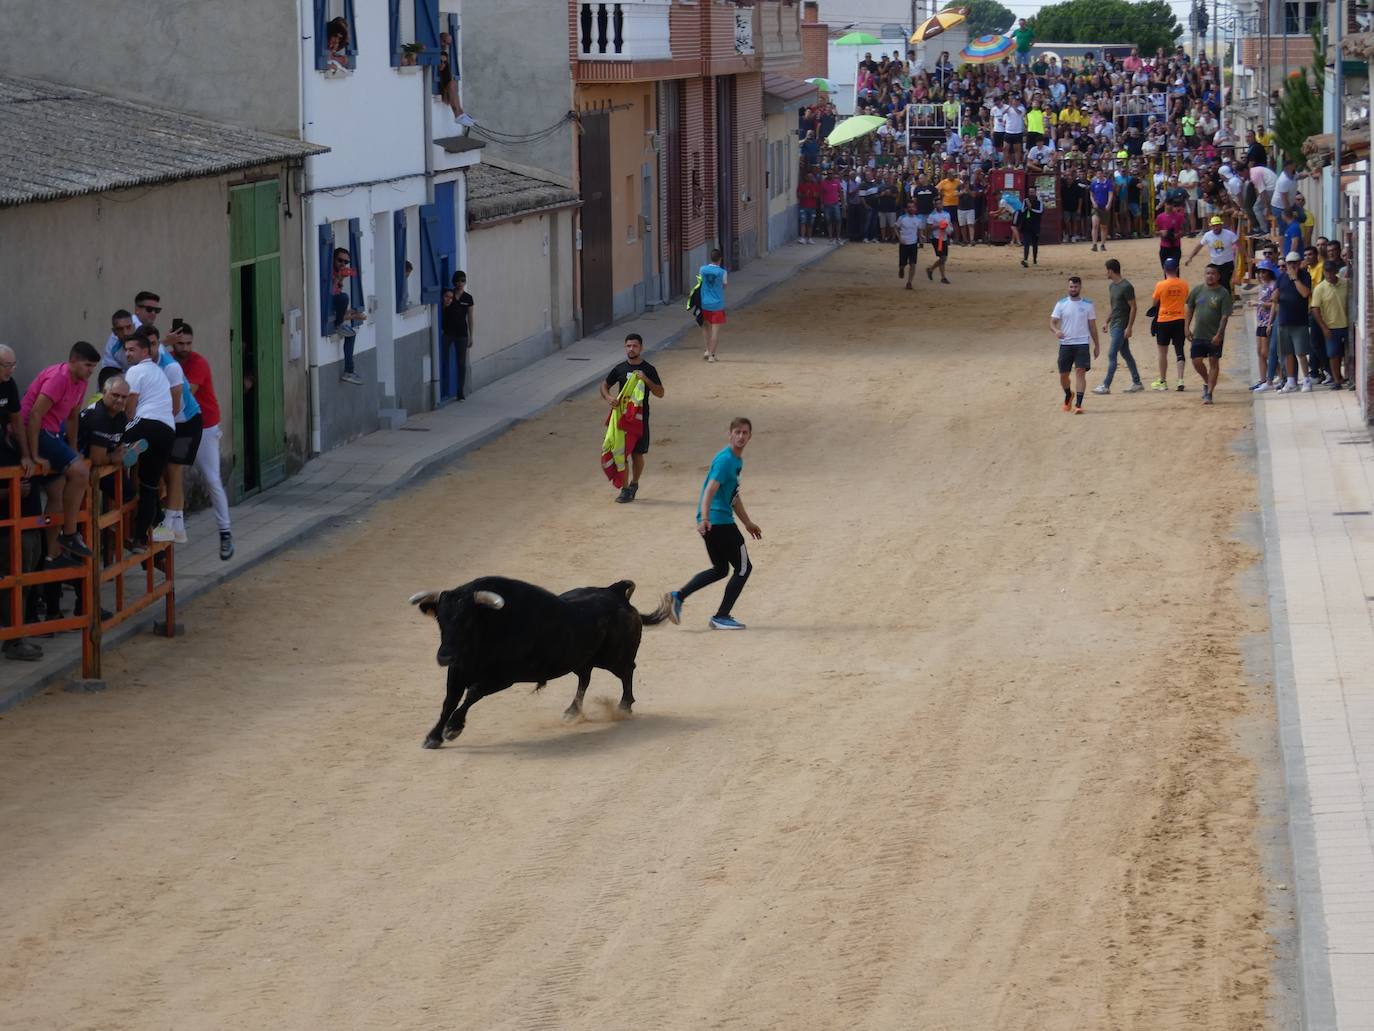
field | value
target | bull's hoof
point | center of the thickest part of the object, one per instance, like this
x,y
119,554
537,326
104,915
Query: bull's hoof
x,y
451,732
571,713
430,742
625,706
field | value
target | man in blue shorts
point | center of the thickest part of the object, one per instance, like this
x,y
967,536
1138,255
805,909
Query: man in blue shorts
x,y
1074,321
717,507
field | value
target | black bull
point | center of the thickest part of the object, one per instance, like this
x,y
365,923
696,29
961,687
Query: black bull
x,y
495,632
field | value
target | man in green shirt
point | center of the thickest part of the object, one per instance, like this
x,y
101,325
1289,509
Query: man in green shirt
x,y
1209,308
1024,36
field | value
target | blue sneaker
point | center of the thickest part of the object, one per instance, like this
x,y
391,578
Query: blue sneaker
x,y
725,623
674,601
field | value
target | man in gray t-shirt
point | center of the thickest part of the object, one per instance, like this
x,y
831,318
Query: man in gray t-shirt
x,y
1120,323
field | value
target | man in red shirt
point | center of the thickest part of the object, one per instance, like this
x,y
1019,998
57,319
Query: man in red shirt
x,y
831,195
50,412
808,199
202,385
1172,223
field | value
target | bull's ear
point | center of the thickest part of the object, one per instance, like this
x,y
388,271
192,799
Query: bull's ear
x,y
428,602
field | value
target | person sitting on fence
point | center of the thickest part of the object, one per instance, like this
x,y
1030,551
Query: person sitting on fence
x,y
151,429
14,453
50,410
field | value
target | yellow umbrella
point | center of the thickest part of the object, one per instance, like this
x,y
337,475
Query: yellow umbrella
x,y
853,128
937,24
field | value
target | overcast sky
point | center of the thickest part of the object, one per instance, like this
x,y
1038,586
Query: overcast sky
x,y
869,14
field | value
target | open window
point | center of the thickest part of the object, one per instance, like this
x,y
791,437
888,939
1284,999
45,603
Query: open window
x,y
336,37
406,248
345,233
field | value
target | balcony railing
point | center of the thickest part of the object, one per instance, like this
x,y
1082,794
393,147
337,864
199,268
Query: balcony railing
x,y
633,30
744,30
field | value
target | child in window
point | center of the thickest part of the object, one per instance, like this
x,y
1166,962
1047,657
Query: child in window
x,y
336,47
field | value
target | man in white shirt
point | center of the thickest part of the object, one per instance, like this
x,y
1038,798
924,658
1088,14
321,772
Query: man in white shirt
x,y
1264,180
1074,321
909,225
1039,157
1285,191
1015,131
1221,249
999,125
1188,179
151,428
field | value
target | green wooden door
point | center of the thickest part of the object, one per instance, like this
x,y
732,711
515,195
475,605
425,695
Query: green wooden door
x,y
256,350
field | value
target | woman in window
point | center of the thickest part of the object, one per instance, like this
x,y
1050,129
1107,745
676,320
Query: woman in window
x,y
448,83
336,47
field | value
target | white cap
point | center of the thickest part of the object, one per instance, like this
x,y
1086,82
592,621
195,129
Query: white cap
x,y
1292,256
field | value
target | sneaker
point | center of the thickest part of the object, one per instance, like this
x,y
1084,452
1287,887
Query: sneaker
x,y
1023,263
1159,384
944,280
1179,388
1325,377
1335,386
1277,382
725,623
1291,387
625,495
164,534
73,545
1135,387
1077,409
674,602
1094,247
1256,386
180,533
711,358
1067,406
23,651
1261,387
135,547
706,356
1102,388
1306,387
1206,398
351,377
132,452
226,547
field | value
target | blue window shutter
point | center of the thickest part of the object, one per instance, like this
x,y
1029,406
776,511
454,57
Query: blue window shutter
x,y
398,226
431,290
321,34
393,16
427,30
352,48
326,284
453,45
355,283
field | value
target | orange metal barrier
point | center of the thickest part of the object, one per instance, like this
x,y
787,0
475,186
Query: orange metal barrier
x,y
97,518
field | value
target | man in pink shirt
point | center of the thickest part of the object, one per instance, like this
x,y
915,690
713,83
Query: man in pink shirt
x,y
1172,223
831,194
50,412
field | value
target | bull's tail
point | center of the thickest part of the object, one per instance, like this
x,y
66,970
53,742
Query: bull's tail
x,y
659,614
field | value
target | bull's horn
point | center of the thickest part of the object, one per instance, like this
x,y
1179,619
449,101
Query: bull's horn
x,y
420,597
490,599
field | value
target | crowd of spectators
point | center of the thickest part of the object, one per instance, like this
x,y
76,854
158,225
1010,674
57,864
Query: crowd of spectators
x,y
153,411
1141,126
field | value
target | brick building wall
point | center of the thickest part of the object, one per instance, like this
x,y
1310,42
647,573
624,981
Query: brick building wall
x,y
815,50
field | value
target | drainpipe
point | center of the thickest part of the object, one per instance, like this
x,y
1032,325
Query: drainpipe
x,y
1336,165
427,92
307,210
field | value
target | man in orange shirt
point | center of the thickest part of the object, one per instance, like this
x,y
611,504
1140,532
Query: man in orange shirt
x,y
949,195
1171,301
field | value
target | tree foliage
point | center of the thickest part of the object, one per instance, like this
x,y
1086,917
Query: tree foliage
x,y
1298,113
986,17
1149,25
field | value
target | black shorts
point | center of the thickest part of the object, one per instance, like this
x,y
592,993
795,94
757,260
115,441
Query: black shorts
x,y
1073,356
1032,138
1226,272
999,138
642,445
1167,333
1204,348
187,441
907,254
1165,253
1262,332
941,248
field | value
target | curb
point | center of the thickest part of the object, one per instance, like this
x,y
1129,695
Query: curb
x,y
420,468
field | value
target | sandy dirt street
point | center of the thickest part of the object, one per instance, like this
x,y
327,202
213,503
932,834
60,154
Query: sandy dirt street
x,y
974,765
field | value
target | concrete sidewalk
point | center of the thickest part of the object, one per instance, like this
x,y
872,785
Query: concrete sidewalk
x,y
348,479
1317,484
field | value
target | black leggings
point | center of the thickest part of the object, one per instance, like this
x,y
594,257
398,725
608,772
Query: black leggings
x,y
725,547
151,463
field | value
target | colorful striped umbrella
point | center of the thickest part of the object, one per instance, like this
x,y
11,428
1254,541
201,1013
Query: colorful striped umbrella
x,y
988,48
937,24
